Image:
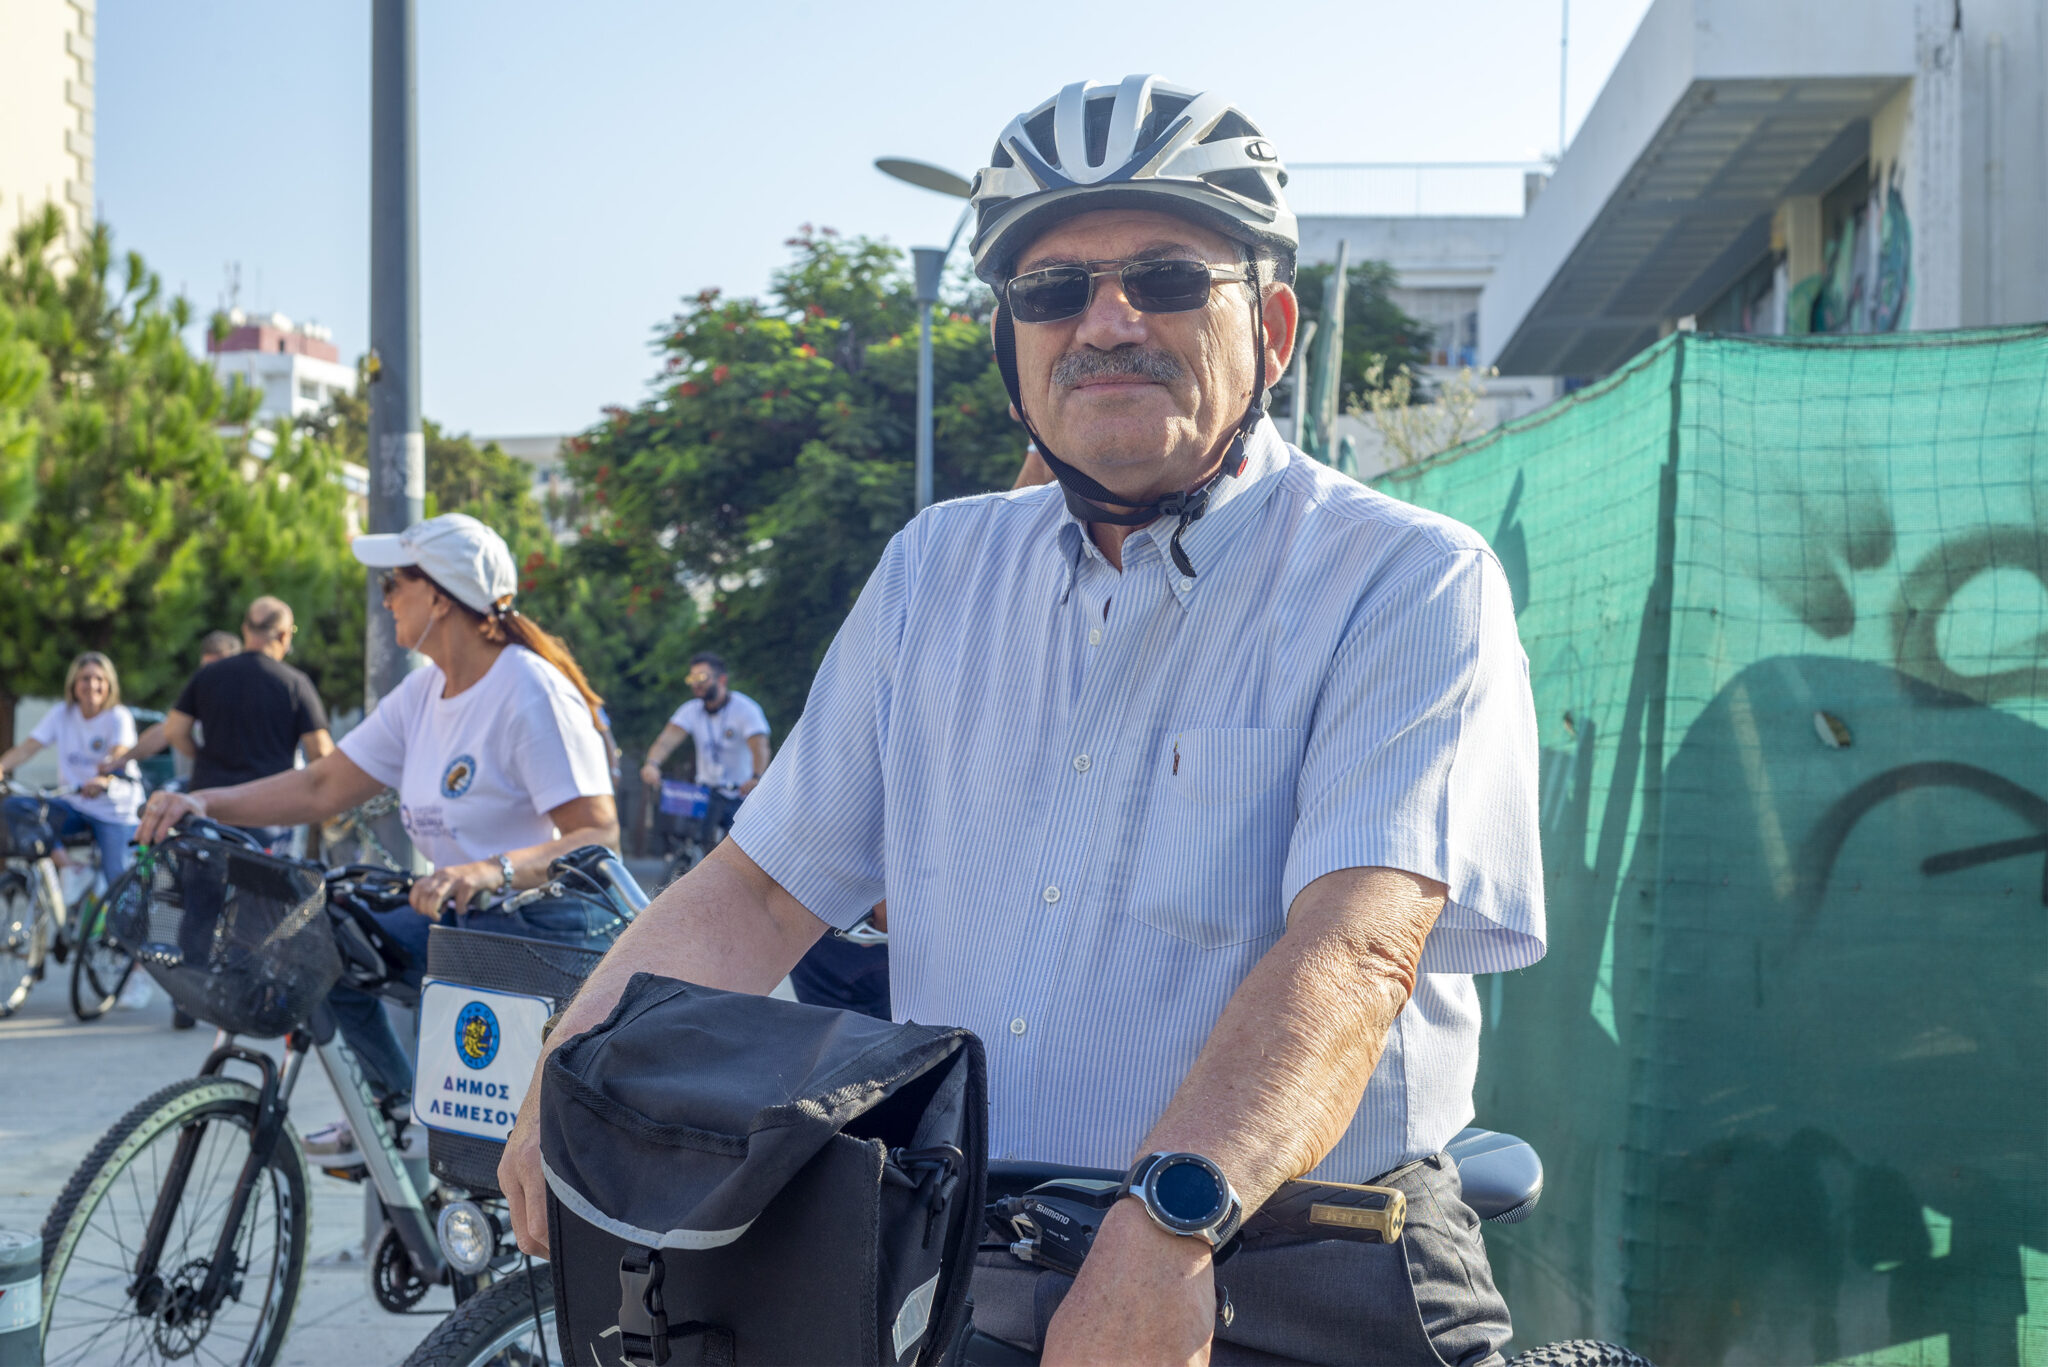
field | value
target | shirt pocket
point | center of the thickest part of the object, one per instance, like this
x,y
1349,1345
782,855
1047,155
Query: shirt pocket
x,y
1216,835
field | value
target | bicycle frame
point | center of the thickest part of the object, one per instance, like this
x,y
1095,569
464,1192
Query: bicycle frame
x,y
402,1201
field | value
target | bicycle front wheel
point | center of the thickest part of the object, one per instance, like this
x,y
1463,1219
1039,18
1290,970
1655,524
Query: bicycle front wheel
x,y
93,1309
510,1323
24,939
101,968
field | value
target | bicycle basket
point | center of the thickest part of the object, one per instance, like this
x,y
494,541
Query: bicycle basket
x,y
239,939
685,801
494,963
25,828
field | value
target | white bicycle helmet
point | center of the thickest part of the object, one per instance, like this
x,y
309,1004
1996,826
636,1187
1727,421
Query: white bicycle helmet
x,y
1143,144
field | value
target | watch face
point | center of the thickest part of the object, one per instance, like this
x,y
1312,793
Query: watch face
x,y
1187,1193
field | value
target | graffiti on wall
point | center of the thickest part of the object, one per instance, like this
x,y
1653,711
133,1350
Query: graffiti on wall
x,y
1865,283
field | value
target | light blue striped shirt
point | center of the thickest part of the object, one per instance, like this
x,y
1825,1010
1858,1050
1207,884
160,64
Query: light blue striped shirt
x,y
1090,797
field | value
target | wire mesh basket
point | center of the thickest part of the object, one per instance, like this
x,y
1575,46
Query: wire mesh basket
x,y
25,828
238,938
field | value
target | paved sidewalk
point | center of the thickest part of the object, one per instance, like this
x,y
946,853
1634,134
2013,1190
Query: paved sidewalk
x,y
65,1083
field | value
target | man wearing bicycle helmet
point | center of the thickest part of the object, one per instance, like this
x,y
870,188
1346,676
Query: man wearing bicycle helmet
x,y
1198,785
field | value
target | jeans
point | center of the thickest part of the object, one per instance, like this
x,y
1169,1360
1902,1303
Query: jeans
x,y
360,1015
840,973
111,836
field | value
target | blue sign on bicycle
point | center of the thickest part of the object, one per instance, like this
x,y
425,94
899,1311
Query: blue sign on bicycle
x,y
476,1035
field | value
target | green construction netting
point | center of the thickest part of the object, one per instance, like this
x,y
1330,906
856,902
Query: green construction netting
x,y
1786,608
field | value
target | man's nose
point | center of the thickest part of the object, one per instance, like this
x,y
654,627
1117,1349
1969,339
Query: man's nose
x,y
1110,320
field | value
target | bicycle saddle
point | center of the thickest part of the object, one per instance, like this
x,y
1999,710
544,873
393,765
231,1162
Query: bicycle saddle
x,y
1502,1176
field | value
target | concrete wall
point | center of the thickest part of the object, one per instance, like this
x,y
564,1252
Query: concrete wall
x,y
46,109
282,376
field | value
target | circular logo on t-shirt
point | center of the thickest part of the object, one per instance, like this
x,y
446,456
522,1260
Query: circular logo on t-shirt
x,y
476,1035
98,744
456,778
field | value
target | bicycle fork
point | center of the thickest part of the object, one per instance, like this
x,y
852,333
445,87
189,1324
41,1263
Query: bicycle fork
x,y
152,1295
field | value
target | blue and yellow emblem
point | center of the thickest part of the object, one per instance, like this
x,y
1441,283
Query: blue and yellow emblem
x,y
476,1035
457,777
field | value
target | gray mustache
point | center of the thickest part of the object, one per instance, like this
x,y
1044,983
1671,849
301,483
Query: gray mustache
x,y
1077,366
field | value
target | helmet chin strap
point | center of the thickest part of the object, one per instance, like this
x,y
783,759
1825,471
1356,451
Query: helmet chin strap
x,y
1088,499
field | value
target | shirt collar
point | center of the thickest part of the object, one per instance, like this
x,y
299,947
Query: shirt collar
x,y
1233,503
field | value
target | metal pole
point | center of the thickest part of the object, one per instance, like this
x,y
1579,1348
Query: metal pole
x,y
1301,346
397,454
930,263
1564,40
1330,398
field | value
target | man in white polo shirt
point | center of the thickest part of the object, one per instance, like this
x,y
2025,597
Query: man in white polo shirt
x,y
729,731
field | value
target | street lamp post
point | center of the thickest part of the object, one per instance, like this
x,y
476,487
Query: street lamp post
x,y
930,267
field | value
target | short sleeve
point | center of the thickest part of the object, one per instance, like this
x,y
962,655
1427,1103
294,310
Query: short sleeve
x,y
755,723
814,824
554,745
124,725
312,715
1423,758
377,744
188,696
679,717
45,733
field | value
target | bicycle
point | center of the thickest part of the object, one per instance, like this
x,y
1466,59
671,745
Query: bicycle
x,y
693,820
38,922
184,1232
1046,1215
351,838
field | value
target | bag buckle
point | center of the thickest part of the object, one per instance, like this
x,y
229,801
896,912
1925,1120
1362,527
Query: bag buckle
x,y
643,1319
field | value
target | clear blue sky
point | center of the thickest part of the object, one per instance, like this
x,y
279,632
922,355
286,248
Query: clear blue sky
x,y
585,167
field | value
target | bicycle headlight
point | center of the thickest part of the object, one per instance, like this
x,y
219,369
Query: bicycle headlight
x,y
468,1235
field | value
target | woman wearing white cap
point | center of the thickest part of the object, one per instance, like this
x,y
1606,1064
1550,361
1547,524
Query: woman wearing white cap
x,y
494,749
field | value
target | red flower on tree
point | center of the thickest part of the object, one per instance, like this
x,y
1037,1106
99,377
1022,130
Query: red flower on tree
x,y
719,372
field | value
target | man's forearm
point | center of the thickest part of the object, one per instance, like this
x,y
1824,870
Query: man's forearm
x,y
1281,1075
150,742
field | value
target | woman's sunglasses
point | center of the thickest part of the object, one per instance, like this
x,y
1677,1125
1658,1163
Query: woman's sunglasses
x,y
388,582
1169,286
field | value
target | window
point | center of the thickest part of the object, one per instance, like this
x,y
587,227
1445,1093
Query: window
x,y
309,390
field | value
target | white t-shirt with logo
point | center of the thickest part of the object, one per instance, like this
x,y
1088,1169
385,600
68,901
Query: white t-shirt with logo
x,y
80,745
478,773
723,756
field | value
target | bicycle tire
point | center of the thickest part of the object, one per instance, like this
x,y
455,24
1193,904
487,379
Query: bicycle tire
x,y
1579,1353
100,968
492,1328
24,939
96,1185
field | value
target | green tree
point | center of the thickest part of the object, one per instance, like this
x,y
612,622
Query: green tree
x,y
149,526
1375,328
772,464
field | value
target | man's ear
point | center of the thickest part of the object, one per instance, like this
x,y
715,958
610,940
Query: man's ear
x,y
1281,317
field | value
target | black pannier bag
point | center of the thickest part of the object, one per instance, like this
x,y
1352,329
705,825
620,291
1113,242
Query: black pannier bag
x,y
739,1179
25,828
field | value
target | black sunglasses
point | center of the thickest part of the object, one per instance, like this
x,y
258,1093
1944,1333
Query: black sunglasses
x,y
1157,286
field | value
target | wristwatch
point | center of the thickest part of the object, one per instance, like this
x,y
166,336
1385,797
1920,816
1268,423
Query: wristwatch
x,y
1186,1194
505,872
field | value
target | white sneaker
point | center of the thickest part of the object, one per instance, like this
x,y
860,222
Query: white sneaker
x,y
139,991
337,1138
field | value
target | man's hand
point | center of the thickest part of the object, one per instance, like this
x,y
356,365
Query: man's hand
x,y
114,760
749,786
520,1177
165,810
457,883
1143,1296
650,774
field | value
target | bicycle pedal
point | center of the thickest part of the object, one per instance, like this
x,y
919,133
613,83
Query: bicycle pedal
x,y
355,1172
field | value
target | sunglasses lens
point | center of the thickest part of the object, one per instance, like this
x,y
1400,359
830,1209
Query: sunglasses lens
x,y
1049,295
1166,286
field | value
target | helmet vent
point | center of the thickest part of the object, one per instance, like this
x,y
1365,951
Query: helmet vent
x,y
1231,125
1001,158
1246,184
1039,129
1096,121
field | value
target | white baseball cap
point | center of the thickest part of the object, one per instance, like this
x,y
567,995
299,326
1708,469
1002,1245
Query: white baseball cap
x,y
455,550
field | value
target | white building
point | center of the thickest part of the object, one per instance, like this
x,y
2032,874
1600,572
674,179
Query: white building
x,y
46,110
296,367
542,455
1441,263
1788,166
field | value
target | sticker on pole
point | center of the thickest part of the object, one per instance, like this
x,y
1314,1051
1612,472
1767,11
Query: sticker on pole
x,y
477,1052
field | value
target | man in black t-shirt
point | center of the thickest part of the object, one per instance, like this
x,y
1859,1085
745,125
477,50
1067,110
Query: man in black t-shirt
x,y
253,711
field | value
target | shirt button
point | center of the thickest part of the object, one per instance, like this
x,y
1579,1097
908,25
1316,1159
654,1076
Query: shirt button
x,y
1080,764
1052,894
1017,1026
1186,584
1095,636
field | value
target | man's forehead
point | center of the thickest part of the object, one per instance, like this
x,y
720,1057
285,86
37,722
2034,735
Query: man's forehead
x,y
1122,233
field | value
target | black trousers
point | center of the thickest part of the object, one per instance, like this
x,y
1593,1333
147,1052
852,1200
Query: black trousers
x,y
1425,1299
